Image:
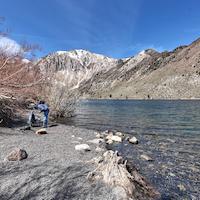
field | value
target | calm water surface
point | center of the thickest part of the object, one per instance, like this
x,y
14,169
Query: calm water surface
x,y
165,117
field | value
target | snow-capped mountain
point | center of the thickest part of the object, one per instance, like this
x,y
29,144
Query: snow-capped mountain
x,y
149,74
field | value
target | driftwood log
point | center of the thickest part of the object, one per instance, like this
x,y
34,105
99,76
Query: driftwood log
x,y
113,171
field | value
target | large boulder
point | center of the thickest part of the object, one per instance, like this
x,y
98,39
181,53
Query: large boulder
x,y
82,147
16,155
41,131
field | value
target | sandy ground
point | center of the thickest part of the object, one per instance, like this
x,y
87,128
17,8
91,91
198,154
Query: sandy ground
x,y
53,169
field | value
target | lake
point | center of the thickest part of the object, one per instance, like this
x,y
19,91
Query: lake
x,y
168,132
143,116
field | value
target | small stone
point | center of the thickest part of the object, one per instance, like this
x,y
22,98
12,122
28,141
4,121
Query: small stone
x,y
82,147
114,138
171,174
151,165
96,141
127,138
109,136
75,142
109,142
145,157
16,155
98,149
194,169
119,134
79,138
41,131
73,136
181,187
133,140
170,140
98,135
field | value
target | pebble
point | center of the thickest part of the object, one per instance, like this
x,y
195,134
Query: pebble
x,y
98,149
145,157
96,141
114,138
41,131
133,140
82,147
181,187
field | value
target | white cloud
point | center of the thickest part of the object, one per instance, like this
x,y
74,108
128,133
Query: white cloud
x,y
141,47
9,46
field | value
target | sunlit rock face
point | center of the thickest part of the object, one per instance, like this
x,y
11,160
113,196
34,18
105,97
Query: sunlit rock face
x,y
147,75
77,66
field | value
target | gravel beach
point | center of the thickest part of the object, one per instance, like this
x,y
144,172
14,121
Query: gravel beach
x,y
53,169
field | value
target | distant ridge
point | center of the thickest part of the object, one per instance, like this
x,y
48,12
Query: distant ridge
x,y
149,74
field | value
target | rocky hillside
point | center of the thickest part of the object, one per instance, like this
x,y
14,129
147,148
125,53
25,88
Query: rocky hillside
x,y
150,74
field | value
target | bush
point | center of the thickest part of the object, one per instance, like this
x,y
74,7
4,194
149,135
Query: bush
x,y
61,96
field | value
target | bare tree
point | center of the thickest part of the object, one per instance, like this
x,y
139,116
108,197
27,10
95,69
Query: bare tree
x,y
19,77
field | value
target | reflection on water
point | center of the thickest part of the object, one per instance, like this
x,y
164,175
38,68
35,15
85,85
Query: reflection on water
x,y
160,116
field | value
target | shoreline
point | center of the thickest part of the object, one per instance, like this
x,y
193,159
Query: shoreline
x,y
173,171
142,99
53,169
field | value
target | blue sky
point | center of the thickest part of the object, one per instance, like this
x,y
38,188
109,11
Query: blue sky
x,y
116,28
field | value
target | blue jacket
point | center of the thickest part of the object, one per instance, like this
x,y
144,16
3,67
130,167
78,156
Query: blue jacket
x,y
42,107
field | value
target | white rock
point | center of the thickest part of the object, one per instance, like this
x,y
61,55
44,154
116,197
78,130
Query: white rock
x,y
109,136
145,157
98,135
181,187
114,138
109,142
96,141
119,134
82,147
133,140
98,149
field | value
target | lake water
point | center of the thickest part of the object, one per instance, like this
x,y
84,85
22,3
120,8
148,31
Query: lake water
x,y
168,132
160,116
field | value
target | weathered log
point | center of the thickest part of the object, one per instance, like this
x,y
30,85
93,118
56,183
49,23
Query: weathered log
x,y
112,170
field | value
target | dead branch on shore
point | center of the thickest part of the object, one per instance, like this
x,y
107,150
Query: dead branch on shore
x,y
112,170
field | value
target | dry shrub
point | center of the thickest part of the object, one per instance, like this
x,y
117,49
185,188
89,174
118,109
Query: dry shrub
x,y
6,112
60,95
